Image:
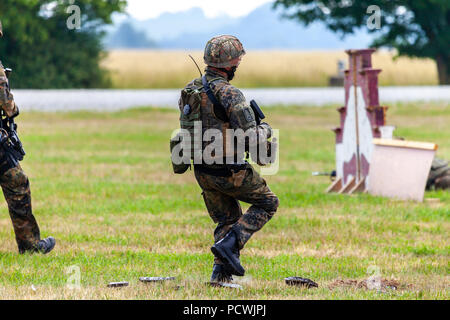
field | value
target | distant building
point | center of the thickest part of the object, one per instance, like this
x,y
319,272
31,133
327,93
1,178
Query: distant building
x,y
338,80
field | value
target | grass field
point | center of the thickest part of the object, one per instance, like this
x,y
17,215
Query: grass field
x,y
102,185
170,69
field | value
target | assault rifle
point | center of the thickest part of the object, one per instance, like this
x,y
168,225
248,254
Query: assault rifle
x,y
9,139
8,72
259,114
331,174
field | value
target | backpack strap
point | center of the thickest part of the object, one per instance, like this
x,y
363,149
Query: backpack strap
x,y
219,109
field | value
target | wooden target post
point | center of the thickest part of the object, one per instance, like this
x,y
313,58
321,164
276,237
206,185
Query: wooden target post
x,y
361,120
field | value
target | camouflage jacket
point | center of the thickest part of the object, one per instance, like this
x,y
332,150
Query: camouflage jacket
x,y
241,115
6,97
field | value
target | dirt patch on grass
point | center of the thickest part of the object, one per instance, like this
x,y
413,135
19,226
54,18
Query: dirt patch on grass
x,y
370,284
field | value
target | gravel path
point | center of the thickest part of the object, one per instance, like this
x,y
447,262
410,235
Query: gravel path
x,y
110,100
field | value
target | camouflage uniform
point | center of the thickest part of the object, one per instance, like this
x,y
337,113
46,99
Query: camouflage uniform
x,y
223,193
15,184
439,177
222,196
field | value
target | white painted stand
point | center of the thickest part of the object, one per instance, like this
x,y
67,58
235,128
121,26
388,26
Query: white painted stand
x,y
399,169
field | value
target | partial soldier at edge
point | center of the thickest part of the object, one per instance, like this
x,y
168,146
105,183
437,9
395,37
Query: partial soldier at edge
x,y
439,177
14,182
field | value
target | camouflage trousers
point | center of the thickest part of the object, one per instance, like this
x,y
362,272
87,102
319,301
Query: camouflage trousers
x,y
16,189
222,196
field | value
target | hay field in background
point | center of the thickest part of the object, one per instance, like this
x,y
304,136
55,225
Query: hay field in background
x,y
134,69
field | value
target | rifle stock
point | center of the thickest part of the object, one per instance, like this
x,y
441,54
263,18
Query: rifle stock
x,y
259,114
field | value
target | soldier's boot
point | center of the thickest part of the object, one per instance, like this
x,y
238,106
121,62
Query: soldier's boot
x,y
227,250
221,274
44,246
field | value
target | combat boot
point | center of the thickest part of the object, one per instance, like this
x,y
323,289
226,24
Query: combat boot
x,y
221,274
227,250
46,245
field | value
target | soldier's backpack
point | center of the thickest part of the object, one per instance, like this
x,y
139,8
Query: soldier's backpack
x,y
439,176
190,112
190,105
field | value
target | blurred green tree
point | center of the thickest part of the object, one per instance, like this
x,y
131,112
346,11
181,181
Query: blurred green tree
x,y
416,28
46,49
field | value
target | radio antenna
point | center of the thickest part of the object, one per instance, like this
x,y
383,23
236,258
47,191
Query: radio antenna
x,y
201,75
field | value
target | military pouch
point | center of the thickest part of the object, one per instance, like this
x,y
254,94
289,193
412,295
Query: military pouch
x,y
238,178
179,167
190,105
183,146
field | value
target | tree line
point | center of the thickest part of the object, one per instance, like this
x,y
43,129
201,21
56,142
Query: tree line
x,y
47,47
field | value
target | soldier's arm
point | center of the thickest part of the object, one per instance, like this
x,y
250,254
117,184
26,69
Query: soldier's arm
x,y
6,97
241,115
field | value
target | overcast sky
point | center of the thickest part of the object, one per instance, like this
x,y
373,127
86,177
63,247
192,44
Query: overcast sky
x,y
145,9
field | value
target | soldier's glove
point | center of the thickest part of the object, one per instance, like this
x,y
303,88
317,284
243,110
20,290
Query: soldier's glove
x,y
268,128
269,156
9,107
269,146
17,111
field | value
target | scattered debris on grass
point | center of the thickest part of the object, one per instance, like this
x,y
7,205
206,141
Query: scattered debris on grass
x,y
370,284
224,285
343,283
118,284
301,282
156,279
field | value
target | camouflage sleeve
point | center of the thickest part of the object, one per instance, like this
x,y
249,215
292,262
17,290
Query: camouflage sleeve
x,y
241,114
6,97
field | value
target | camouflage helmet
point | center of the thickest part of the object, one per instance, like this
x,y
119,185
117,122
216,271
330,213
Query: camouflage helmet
x,y
1,29
223,52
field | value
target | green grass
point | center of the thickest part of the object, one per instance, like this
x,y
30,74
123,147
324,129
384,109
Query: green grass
x,y
102,185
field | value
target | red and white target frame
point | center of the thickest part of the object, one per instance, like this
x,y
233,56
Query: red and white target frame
x,y
361,120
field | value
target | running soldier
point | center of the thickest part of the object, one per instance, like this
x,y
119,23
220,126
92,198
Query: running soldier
x,y
220,106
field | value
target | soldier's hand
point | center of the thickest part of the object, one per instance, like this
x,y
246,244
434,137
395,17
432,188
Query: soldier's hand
x,y
268,129
16,112
269,156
